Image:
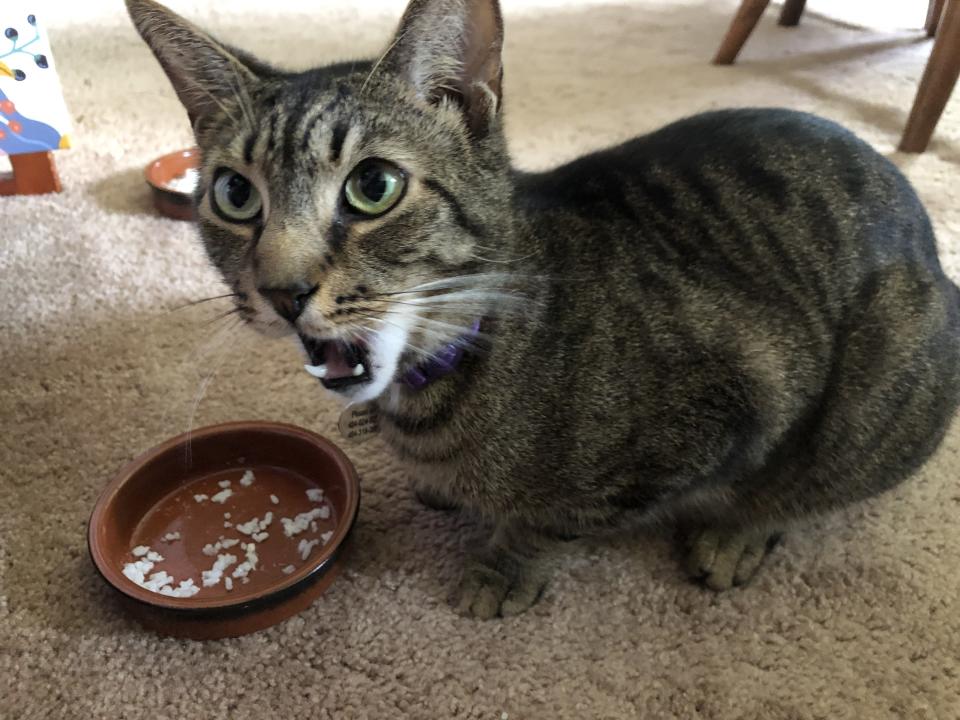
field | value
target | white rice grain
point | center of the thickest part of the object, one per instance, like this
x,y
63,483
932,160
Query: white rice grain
x,y
200,498
274,499
224,483
212,576
171,537
140,550
326,536
154,557
302,521
228,583
315,495
306,547
221,497
289,569
247,479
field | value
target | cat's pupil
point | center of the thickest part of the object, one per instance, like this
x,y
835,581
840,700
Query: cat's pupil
x,y
373,183
238,191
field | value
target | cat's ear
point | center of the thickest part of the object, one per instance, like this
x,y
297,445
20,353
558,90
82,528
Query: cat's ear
x,y
204,72
452,49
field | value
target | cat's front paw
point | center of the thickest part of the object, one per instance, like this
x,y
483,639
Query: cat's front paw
x,y
722,559
486,592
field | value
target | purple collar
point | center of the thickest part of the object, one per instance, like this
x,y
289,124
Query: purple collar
x,y
444,361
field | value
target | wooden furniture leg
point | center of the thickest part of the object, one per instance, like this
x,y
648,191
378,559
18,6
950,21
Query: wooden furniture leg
x,y
746,19
33,174
792,10
939,77
934,11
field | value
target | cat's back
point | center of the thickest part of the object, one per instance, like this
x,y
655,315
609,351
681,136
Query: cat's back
x,y
751,192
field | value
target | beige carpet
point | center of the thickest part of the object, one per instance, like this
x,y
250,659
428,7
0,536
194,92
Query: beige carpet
x,y
857,618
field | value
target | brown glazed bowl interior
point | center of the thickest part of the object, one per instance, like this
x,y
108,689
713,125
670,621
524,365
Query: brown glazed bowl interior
x,y
160,173
152,498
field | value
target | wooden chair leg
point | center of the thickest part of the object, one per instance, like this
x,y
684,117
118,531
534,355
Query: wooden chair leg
x,y
746,19
937,83
33,174
792,10
934,11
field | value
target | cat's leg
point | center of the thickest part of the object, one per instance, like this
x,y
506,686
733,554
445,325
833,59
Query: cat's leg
x,y
508,575
893,389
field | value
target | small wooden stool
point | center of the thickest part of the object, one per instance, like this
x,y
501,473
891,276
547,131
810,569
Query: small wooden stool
x,y
33,174
939,77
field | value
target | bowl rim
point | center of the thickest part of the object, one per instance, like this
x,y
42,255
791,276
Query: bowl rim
x,y
192,151
304,576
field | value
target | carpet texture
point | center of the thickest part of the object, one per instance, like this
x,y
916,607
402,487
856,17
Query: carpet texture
x,y
857,616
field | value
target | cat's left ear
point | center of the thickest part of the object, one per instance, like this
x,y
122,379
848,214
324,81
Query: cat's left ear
x,y
452,49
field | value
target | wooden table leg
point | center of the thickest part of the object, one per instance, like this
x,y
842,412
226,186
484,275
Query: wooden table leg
x,y
937,83
33,174
792,10
934,11
746,19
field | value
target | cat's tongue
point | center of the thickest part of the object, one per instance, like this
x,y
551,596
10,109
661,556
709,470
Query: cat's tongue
x,y
342,361
336,364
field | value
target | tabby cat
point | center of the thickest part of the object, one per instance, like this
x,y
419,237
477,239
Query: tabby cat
x,y
727,325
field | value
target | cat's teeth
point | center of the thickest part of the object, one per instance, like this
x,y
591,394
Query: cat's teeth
x,y
318,371
358,370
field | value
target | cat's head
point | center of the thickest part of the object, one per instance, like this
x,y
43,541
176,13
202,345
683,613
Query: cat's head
x,y
358,205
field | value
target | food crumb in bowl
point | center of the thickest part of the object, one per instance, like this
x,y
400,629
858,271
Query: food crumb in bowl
x,y
140,550
221,497
224,483
185,183
154,556
226,516
212,576
326,536
302,521
315,495
247,479
289,569
305,547
228,583
171,537
260,537
255,525
274,499
200,497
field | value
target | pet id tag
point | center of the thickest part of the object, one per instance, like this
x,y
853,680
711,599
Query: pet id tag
x,y
359,423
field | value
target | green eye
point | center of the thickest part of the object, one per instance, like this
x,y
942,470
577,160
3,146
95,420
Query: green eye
x,y
234,197
374,187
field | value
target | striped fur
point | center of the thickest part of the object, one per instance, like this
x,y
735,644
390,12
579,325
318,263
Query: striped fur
x,y
732,323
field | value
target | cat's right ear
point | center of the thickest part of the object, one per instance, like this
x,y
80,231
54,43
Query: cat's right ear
x,y
205,74
450,50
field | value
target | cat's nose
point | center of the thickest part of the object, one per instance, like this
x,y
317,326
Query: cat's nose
x,y
289,302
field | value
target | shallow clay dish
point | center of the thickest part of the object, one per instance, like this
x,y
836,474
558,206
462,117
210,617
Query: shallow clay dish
x,y
162,173
153,498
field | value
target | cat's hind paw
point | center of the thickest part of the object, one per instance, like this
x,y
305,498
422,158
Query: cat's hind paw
x,y
722,559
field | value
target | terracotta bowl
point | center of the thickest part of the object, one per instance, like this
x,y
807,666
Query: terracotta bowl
x,y
156,501
162,174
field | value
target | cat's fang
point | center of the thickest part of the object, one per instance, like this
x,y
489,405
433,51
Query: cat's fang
x,y
318,371
359,370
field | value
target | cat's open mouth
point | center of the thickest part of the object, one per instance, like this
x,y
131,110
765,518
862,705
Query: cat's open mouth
x,y
337,364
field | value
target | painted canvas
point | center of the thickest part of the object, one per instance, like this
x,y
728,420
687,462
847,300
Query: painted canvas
x,y
33,114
